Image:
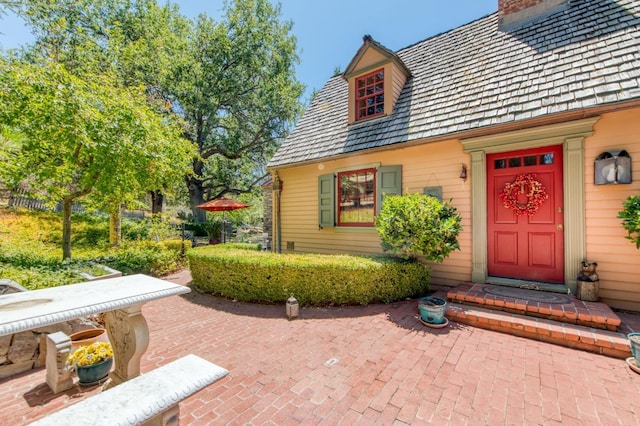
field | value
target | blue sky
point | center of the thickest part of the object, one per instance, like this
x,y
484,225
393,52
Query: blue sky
x,y
329,32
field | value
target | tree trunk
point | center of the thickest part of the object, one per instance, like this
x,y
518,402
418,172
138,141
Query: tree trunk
x,y
196,197
115,226
66,228
156,202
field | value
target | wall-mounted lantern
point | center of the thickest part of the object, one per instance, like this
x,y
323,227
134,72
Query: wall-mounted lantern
x,y
612,167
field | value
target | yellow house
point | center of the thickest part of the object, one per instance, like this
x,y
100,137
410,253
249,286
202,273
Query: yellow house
x,y
508,117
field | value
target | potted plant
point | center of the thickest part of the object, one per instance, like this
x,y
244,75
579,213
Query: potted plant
x,y
92,363
213,228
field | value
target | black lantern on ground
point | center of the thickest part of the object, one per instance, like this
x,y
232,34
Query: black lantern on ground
x,y
612,167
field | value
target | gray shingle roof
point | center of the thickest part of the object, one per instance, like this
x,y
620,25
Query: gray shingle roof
x,y
476,76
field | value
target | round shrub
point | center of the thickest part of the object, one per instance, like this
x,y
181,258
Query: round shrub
x,y
255,276
416,224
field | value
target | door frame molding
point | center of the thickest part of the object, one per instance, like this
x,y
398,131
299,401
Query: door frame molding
x,y
571,136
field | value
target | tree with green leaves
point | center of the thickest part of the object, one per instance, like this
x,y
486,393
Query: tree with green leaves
x,y
232,82
85,135
238,93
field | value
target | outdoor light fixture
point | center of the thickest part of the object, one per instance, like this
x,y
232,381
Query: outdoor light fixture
x,y
463,173
292,307
612,167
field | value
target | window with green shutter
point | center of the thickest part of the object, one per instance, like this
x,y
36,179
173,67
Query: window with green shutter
x,y
326,201
355,198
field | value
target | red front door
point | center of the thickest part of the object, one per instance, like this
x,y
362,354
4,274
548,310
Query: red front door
x,y
522,246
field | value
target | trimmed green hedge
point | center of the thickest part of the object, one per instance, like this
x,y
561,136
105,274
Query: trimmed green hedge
x,y
255,276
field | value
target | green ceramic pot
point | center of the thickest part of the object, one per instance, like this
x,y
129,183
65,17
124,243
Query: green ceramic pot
x,y
432,309
93,374
634,342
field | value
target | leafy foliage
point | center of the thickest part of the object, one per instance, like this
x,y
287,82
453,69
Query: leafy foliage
x,y
84,135
232,82
30,254
416,224
630,216
257,276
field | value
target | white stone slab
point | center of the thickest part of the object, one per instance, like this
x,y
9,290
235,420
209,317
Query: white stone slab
x,y
143,397
39,308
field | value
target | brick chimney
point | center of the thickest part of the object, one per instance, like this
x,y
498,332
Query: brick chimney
x,y
517,13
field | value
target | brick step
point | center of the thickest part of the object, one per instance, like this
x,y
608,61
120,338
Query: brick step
x,y
568,310
604,342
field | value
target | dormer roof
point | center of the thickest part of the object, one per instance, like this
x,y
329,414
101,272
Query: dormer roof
x,y
369,43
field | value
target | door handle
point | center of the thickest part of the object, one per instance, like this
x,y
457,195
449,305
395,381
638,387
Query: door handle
x,y
559,227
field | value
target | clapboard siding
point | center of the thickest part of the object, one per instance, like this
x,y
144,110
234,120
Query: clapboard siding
x,y
422,166
439,164
618,259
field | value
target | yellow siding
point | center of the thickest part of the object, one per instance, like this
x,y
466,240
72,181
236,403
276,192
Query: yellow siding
x,y
618,259
399,79
439,164
371,57
427,165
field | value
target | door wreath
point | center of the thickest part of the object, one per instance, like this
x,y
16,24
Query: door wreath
x,y
523,184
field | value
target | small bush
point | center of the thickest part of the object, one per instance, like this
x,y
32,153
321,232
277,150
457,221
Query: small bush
x,y
176,246
416,224
34,278
147,257
198,228
255,276
631,219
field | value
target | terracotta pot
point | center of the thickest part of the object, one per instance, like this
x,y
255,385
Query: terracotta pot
x,y
87,337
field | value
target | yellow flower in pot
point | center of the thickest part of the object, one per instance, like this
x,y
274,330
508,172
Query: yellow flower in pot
x,y
92,363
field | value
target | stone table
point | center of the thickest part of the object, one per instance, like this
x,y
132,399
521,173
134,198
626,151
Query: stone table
x,y
121,300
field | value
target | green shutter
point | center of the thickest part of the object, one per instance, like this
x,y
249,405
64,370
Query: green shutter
x,y
388,182
326,201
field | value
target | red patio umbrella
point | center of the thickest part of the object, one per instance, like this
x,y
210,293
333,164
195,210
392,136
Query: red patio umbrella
x,y
222,204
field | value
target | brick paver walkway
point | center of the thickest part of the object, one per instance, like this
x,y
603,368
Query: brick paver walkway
x,y
360,365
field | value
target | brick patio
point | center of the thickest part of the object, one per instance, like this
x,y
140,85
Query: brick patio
x,y
360,365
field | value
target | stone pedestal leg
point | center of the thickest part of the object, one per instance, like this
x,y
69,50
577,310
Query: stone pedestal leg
x,y
58,376
129,337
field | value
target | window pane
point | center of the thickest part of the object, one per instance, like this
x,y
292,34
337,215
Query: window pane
x,y
514,162
531,160
357,198
500,164
546,158
369,94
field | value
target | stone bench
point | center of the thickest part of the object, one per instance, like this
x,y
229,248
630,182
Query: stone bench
x,y
152,398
